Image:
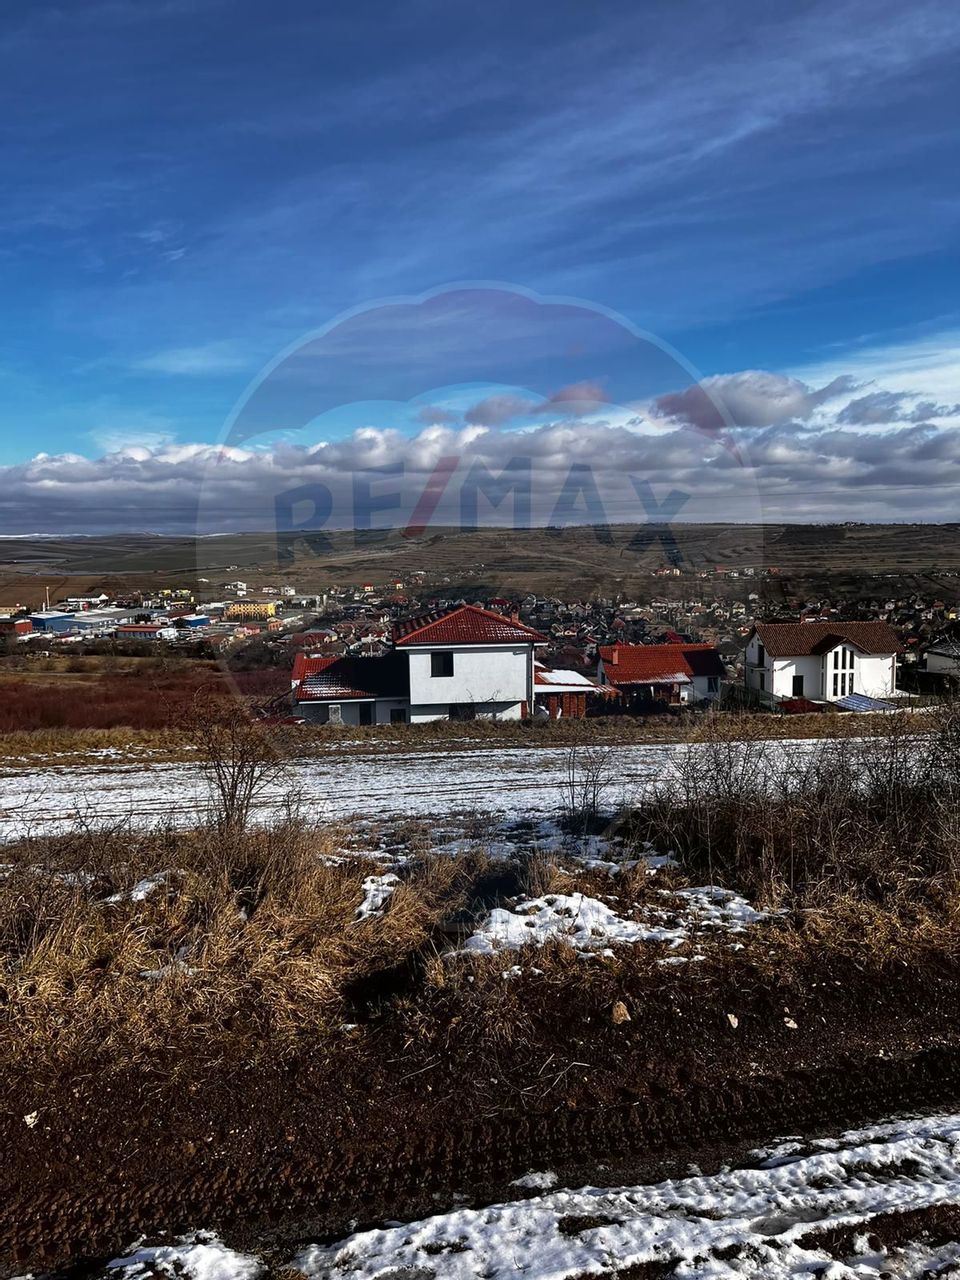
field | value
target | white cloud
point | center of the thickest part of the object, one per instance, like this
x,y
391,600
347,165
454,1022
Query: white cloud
x,y
202,361
118,432
753,398
928,367
804,449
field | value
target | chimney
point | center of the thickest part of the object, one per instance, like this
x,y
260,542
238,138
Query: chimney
x,y
514,614
614,656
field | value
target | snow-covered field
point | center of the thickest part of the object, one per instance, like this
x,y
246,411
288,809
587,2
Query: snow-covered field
x,y
501,781
758,1220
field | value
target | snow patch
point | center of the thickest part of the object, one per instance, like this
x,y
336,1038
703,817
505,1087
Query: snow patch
x,y
536,1181
584,923
588,924
141,890
376,891
194,1257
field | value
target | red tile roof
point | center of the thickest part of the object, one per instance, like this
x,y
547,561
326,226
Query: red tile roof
x,y
804,639
308,665
327,688
659,663
468,624
334,679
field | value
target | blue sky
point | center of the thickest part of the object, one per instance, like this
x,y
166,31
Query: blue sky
x,y
191,186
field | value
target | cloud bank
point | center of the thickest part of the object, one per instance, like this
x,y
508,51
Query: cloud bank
x,y
788,450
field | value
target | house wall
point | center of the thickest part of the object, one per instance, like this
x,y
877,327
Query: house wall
x,y
782,672
386,705
497,675
701,691
875,676
490,710
752,671
320,712
943,664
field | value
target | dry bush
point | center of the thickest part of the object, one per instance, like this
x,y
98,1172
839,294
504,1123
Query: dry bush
x,y
588,787
875,818
241,759
241,944
155,700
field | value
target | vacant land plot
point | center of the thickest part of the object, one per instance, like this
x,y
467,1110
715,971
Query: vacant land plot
x,y
275,1032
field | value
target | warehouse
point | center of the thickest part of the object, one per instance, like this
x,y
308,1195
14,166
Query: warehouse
x,y
53,621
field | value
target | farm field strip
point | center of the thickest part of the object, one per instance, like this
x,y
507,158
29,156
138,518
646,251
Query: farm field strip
x,y
535,781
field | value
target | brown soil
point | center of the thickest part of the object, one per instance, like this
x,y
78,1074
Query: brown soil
x,y
386,1123
937,1225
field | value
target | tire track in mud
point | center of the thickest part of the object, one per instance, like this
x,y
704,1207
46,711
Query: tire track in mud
x,y
268,1192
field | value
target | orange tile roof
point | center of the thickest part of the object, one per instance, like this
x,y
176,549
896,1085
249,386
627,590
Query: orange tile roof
x,y
467,624
659,663
310,664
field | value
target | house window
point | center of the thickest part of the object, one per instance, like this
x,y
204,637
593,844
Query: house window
x,y
441,664
761,655
713,684
762,681
398,716
798,686
836,680
366,713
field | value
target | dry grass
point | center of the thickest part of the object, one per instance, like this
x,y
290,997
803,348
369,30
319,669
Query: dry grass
x,y
244,943
170,743
247,952
247,944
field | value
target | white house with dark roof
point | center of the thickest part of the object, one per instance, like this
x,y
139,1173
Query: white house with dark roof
x,y
462,663
822,661
943,657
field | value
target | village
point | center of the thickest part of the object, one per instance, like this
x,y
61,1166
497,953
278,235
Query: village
x,y
409,650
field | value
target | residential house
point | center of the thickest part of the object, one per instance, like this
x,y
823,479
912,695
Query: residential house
x,y
822,661
943,657
455,664
645,674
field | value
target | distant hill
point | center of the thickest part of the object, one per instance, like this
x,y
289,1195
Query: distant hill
x,y
572,562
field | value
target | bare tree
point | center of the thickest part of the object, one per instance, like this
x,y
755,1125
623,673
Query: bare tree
x,y
240,757
587,786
